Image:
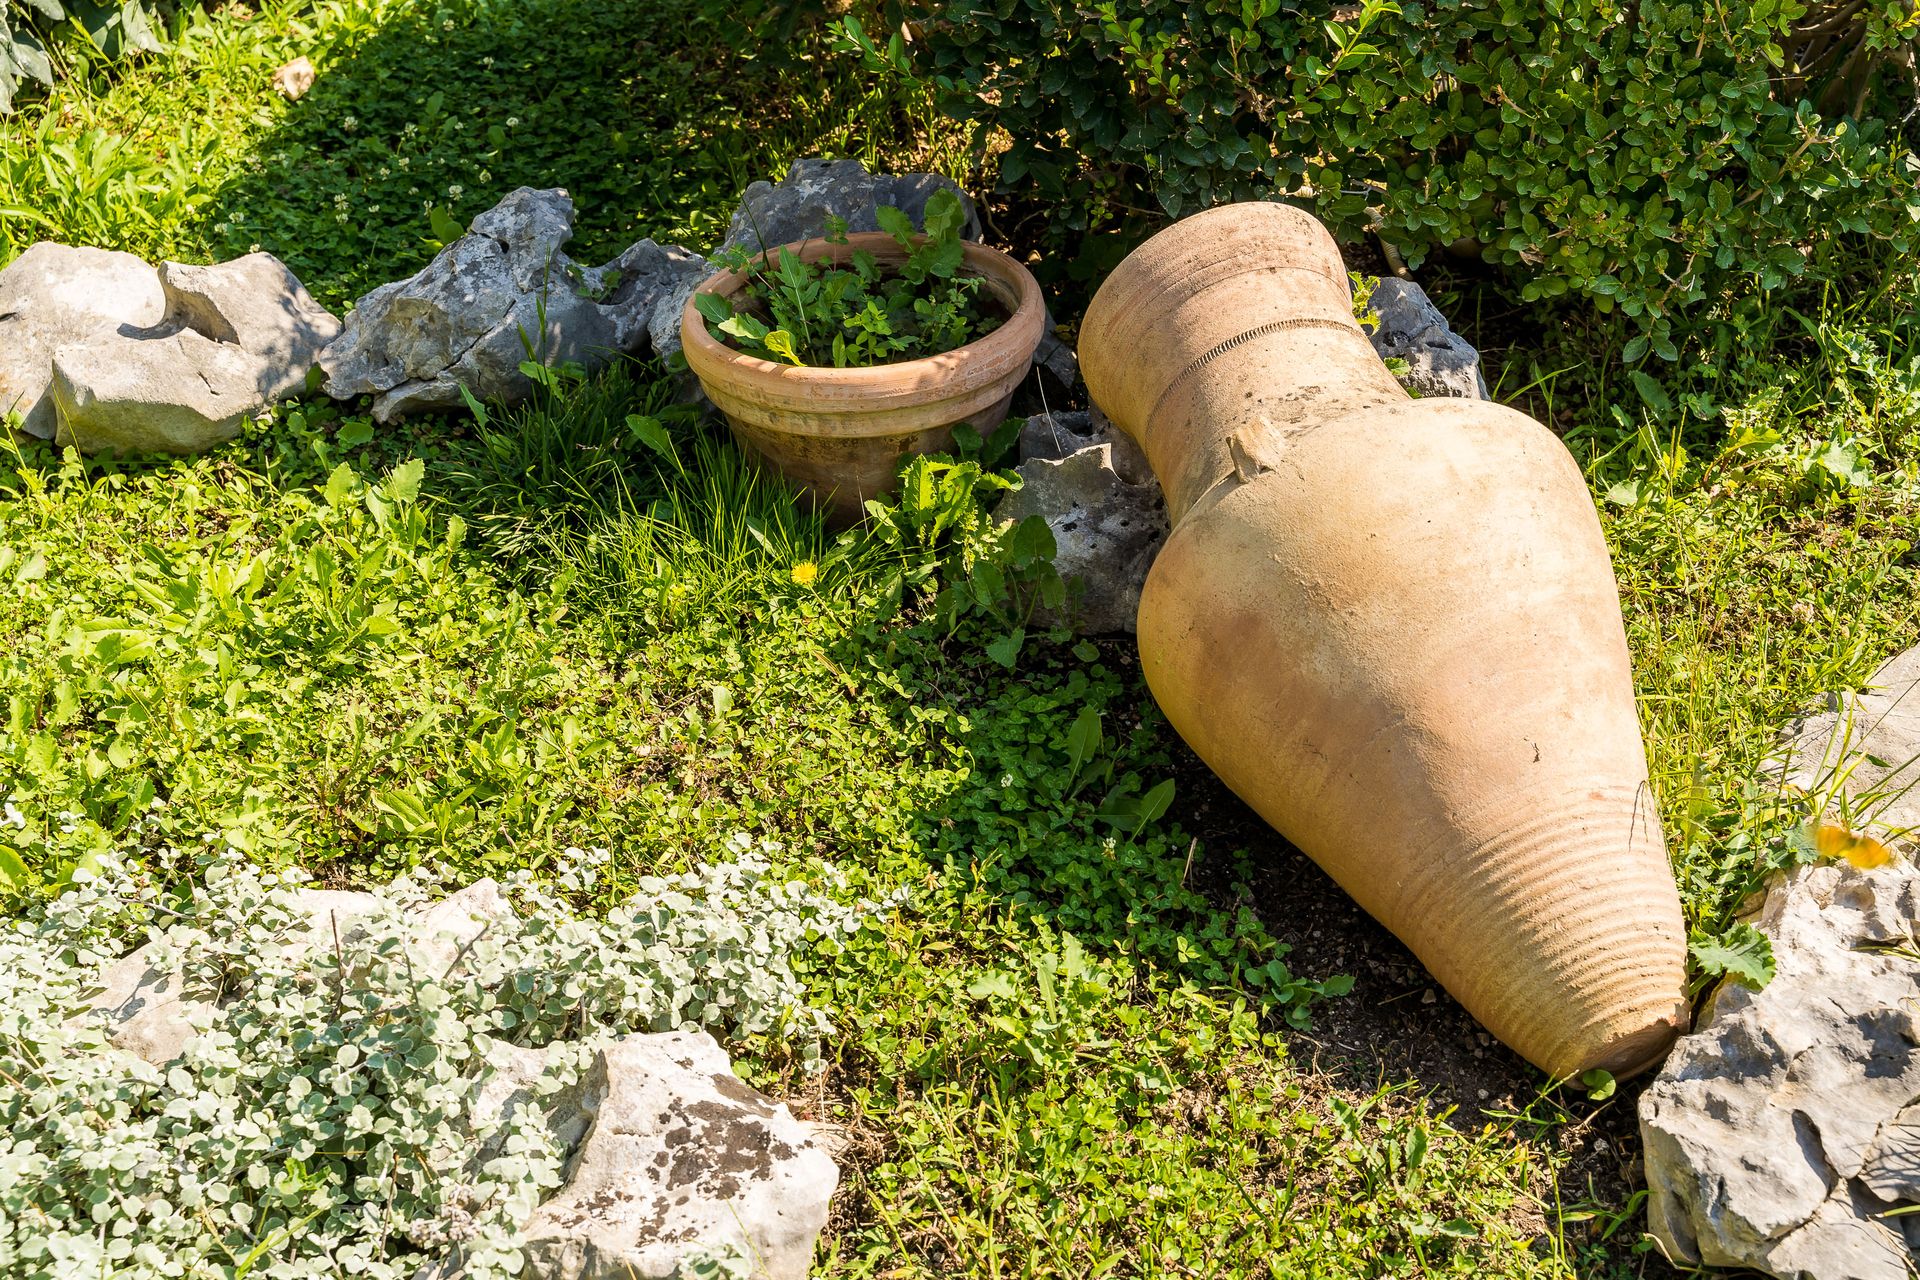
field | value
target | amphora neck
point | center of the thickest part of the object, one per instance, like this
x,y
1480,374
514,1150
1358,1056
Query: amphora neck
x,y
1221,337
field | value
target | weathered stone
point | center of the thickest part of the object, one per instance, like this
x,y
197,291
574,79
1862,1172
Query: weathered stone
x,y
1439,361
233,339
291,80
510,1087
680,1156
814,190
256,304
445,930
52,296
501,295
181,393
149,1012
1054,436
1872,737
1106,530
646,288
1056,368
1779,1134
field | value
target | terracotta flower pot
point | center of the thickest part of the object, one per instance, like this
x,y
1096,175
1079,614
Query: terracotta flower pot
x,y
1391,626
840,434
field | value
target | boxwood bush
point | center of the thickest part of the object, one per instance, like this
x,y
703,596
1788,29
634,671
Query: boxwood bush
x,y
1645,155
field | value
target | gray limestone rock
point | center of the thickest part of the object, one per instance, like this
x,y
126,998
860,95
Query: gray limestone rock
x,y
501,295
232,339
1108,523
647,288
1782,1131
798,207
680,1156
256,304
1439,361
54,295
1054,436
180,393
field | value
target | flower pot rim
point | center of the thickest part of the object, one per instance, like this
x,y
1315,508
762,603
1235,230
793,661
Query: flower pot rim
x,y
1004,343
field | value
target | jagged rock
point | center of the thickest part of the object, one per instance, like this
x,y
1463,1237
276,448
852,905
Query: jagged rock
x,y
1057,368
1054,436
235,337
680,1156
498,296
445,930
1872,736
1107,529
1439,361
54,295
256,304
797,209
1781,1132
650,285
150,1015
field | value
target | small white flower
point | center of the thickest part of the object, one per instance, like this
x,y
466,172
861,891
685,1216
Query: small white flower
x,y
455,191
513,122
350,123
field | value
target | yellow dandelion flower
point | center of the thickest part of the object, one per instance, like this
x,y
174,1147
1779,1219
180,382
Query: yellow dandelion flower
x,y
1836,842
805,572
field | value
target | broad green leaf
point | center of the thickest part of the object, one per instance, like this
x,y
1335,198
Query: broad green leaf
x,y
1155,804
1006,650
944,214
1742,953
445,229
650,433
340,484
403,482
1083,740
1650,391
14,875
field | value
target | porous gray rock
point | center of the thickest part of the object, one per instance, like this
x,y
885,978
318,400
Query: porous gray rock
x,y
1439,361
54,295
1108,522
680,1156
1054,436
797,208
499,296
1780,1134
647,287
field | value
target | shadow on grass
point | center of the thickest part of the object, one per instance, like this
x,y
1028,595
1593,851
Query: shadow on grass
x,y
653,116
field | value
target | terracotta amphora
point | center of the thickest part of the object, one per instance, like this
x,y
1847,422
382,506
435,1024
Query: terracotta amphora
x,y
1391,626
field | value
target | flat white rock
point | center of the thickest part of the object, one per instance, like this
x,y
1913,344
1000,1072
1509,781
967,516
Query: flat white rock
x,y
680,1156
1785,1130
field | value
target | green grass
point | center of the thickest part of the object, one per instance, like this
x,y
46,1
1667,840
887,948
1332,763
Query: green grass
x,y
652,115
477,643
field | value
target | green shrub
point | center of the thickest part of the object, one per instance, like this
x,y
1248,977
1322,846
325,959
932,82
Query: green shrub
x,y
1642,155
38,38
